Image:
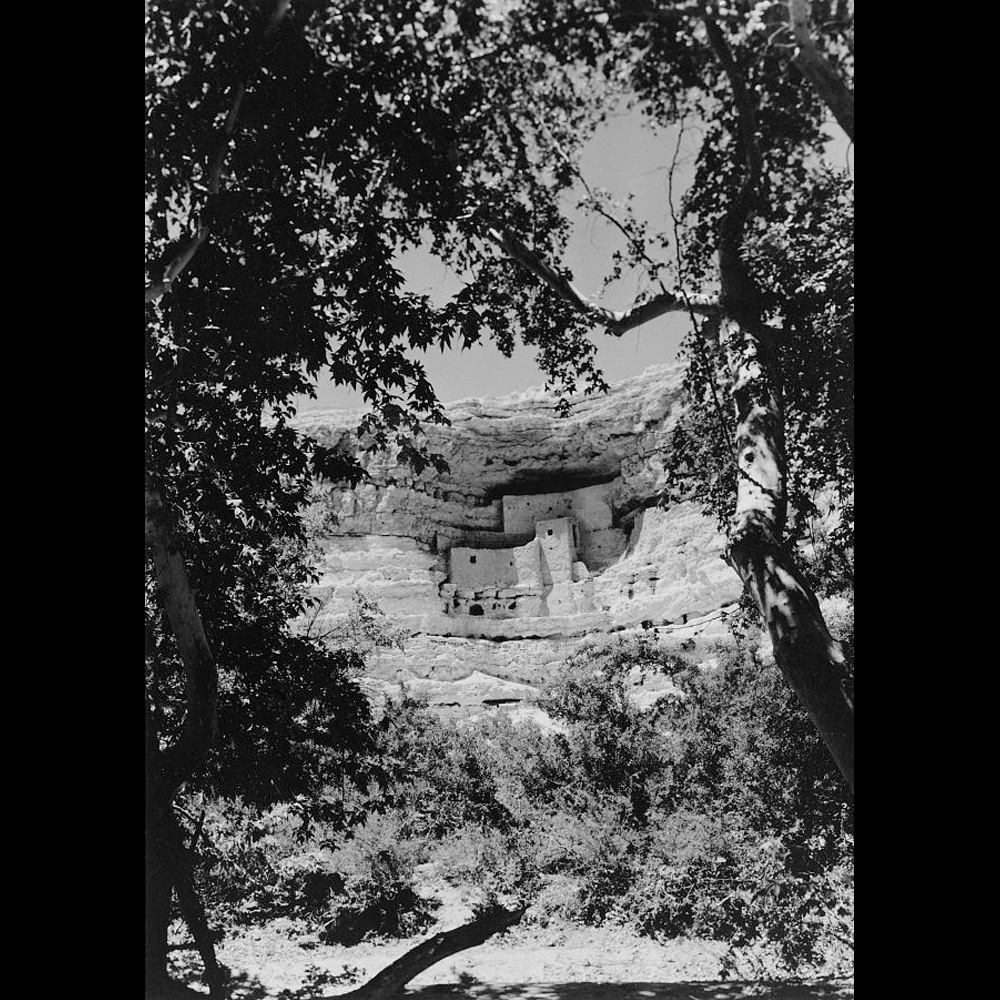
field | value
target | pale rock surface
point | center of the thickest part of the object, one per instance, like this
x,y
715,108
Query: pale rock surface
x,y
602,465
673,567
461,697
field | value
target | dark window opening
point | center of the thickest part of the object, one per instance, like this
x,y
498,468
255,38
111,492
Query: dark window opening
x,y
472,559
476,609
549,531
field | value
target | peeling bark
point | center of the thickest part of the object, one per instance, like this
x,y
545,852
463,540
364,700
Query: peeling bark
x,y
394,977
807,655
809,658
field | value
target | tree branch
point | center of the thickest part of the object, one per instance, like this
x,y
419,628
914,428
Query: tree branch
x,y
739,292
616,321
392,979
808,59
634,243
184,252
814,66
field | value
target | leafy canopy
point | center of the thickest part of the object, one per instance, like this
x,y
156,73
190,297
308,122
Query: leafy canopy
x,y
315,154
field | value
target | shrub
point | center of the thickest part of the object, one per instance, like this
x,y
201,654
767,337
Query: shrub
x,y
723,815
379,896
716,813
258,868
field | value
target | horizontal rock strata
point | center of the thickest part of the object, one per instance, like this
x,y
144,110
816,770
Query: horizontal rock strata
x,y
544,532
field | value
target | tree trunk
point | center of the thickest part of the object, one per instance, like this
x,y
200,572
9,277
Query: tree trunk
x,y
159,884
177,763
394,977
810,659
159,888
193,910
812,64
167,769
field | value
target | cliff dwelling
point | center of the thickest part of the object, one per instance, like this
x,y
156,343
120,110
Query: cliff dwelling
x,y
464,564
540,563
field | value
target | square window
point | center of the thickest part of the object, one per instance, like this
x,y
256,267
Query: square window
x,y
472,559
550,531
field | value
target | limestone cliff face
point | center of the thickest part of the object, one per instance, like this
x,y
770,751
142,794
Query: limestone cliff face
x,y
539,535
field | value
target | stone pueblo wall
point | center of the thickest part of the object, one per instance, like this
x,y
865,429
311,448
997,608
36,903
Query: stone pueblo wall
x,y
612,562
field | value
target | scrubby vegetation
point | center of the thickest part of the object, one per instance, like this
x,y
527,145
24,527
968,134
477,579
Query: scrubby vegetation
x,y
716,813
296,154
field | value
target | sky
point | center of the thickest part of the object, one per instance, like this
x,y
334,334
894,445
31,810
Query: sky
x,y
627,157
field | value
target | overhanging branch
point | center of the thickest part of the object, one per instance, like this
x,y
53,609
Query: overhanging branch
x,y
616,321
184,252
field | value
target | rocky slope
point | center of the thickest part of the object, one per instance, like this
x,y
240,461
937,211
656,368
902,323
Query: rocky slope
x,y
475,639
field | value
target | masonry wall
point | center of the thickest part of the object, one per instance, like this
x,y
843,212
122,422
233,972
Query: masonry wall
x,y
539,579
477,569
558,551
600,542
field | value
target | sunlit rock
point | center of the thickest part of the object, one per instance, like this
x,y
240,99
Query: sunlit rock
x,y
545,531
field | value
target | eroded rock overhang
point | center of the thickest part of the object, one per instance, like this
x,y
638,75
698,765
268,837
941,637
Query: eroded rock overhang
x,y
516,468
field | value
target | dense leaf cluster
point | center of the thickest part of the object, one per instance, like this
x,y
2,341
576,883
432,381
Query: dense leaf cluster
x,y
715,812
299,158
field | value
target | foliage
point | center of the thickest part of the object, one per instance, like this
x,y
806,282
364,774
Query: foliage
x,y
620,749
731,824
379,896
363,131
304,162
715,813
748,836
257,869
293,154
260,870
294,727
803,264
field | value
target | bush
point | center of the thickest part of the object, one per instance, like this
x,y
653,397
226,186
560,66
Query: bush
x,y
258,870
716,813
379,896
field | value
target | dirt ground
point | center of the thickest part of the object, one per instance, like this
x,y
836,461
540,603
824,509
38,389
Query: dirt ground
x,y
526,963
